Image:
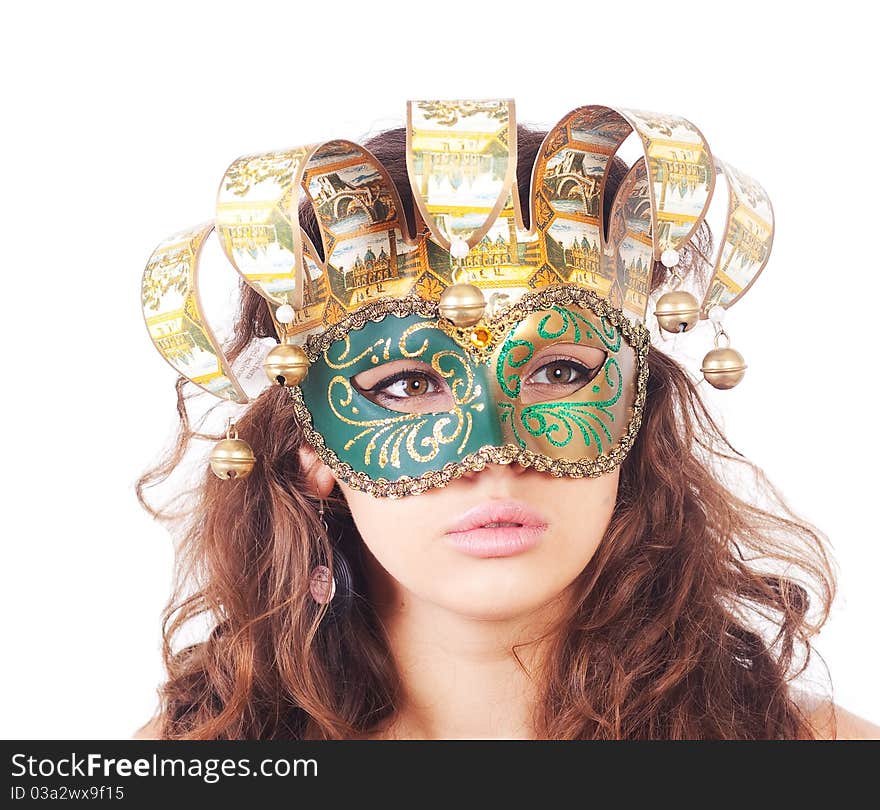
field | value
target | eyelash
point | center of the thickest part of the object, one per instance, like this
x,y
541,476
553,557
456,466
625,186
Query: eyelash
x,y
586,372
378,388
403,375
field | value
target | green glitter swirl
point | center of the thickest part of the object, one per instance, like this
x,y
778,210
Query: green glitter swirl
x,y
567,416
512,389
609,334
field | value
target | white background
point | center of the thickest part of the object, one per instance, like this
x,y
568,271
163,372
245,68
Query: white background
x,y
119,121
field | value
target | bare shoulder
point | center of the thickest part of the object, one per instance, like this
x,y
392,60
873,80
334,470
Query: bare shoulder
x,y
151,730
827,717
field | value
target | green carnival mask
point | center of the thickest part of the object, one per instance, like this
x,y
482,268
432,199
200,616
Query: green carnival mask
x,y
499,404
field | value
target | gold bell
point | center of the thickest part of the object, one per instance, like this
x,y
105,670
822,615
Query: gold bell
x,y
463,304
723,367
232,457
677,311
287,364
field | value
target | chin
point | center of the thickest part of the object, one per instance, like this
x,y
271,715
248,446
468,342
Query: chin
x,y
495,595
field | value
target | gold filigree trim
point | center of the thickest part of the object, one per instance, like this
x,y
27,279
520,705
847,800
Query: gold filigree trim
x,y
637,335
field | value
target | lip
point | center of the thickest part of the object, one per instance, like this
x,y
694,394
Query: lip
x,y
470,535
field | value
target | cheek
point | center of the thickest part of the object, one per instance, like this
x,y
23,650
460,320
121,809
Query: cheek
x,y
400,533
583,509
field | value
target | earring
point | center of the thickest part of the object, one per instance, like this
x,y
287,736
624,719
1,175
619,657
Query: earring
x,y
324,583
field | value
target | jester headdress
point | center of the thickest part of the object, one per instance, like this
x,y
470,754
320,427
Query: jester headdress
x,y
413,357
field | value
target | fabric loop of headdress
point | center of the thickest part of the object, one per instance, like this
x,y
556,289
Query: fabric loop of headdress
x,y
746,239
456,150
175,317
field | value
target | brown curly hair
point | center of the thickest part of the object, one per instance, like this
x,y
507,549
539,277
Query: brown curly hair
x,y
691,621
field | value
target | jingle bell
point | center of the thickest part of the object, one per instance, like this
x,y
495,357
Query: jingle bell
x,y
677,311
463,304
232,458
723,367
287,364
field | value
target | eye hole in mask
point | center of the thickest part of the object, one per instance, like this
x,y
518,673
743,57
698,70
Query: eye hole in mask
x,y
559,371
412,386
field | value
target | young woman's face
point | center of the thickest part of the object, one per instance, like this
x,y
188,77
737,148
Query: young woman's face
x,y
488,573
504,540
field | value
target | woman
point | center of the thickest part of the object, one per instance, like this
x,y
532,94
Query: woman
x,y
504,601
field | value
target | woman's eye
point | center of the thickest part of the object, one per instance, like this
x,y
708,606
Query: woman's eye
x,y
410,390
562,372
407,384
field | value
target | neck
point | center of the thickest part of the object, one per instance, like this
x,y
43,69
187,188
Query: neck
x,y
465,677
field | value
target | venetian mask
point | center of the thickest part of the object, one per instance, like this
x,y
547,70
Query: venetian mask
x,y
398,400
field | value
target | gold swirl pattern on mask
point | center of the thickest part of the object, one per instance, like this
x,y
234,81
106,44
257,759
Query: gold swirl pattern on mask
x,y
344,361
407,426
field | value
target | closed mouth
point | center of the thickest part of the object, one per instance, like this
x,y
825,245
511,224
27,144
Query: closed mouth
x,y
504,540
497,514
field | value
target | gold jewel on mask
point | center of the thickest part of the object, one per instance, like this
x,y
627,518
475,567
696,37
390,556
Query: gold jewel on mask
x,y
232,457
481,336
